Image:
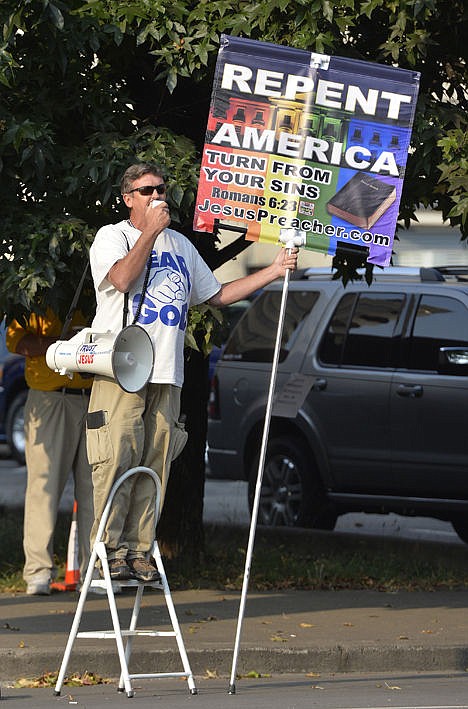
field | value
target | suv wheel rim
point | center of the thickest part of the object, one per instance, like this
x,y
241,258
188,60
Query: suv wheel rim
x,y
281,495
17,432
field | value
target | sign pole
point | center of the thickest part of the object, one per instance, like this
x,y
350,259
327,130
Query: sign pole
x,y
291,238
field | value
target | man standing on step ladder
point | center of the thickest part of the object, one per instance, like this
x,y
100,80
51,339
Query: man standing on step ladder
x,y
159,274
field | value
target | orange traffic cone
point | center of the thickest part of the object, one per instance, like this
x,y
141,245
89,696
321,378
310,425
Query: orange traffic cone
x,y
72,570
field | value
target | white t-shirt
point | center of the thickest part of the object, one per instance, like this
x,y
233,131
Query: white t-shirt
x,y
179,278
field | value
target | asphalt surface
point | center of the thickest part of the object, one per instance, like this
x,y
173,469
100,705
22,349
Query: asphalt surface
x,y
226,503
299,691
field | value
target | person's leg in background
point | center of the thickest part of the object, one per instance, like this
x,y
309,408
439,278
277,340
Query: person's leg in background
x,y
49,460
76,410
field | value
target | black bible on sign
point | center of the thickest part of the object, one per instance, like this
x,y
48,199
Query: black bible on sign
x,y
362,200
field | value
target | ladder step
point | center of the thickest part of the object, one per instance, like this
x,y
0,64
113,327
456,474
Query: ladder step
x,y
128,583
105,634
160,675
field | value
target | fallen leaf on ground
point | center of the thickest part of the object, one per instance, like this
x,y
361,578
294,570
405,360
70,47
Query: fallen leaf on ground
x,y
7,626
391,686
49,679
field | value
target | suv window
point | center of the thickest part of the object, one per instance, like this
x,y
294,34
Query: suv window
x,y
331,349
362,330
253,340
440,321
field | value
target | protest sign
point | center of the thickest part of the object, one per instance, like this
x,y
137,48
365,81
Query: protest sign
x,y
305,141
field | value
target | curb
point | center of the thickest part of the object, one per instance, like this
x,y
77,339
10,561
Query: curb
x,y
340,659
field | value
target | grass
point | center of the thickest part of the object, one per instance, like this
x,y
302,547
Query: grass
x,y
300,559
11,547
308,559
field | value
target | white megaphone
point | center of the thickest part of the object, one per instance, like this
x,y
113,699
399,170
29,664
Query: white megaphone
x,y
127,356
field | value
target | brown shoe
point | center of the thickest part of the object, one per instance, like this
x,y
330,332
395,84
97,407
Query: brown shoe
x,y
143,570
119,570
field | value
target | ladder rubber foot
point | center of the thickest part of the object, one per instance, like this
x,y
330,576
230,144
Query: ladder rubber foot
x,y
130,694
232,689
194,691
56,693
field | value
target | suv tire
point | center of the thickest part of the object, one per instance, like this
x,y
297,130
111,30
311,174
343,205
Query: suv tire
x,y
291,494
14,427
460,525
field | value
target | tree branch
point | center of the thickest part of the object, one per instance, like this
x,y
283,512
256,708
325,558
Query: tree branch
x,y
229,252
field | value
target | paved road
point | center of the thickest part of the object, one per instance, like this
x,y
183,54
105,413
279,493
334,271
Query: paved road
x,y
426,691
226,502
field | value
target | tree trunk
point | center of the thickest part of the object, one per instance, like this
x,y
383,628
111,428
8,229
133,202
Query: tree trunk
x,y
180,529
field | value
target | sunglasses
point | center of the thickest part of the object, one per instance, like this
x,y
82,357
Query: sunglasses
x,y
148,190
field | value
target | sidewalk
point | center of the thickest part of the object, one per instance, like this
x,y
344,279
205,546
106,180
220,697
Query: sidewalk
x,y
282,632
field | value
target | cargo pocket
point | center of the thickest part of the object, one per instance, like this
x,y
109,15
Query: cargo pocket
x,y
179,439
98,440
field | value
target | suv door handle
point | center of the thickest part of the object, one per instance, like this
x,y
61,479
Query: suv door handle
x,y
319,384
414,391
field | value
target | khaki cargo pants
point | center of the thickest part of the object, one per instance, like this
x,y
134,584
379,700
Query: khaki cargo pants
x,y
125,430
55,445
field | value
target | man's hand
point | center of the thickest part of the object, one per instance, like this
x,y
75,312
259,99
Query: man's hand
x,y
243,287
32,345
155,219
151,222
285,260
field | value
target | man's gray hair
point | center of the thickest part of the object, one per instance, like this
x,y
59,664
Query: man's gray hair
x,y
134,172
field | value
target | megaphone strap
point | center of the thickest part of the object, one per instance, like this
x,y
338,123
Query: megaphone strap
x,y
73,305
143,291
142,295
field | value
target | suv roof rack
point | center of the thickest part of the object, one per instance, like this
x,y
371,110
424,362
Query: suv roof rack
x,y
457,273
419,273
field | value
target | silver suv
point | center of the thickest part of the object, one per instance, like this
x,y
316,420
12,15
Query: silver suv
x,y
371,402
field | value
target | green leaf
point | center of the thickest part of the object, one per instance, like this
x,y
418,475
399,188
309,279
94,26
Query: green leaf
x,y
171,81
56,16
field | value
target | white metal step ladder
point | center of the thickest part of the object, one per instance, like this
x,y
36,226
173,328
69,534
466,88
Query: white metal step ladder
x,y
124,651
